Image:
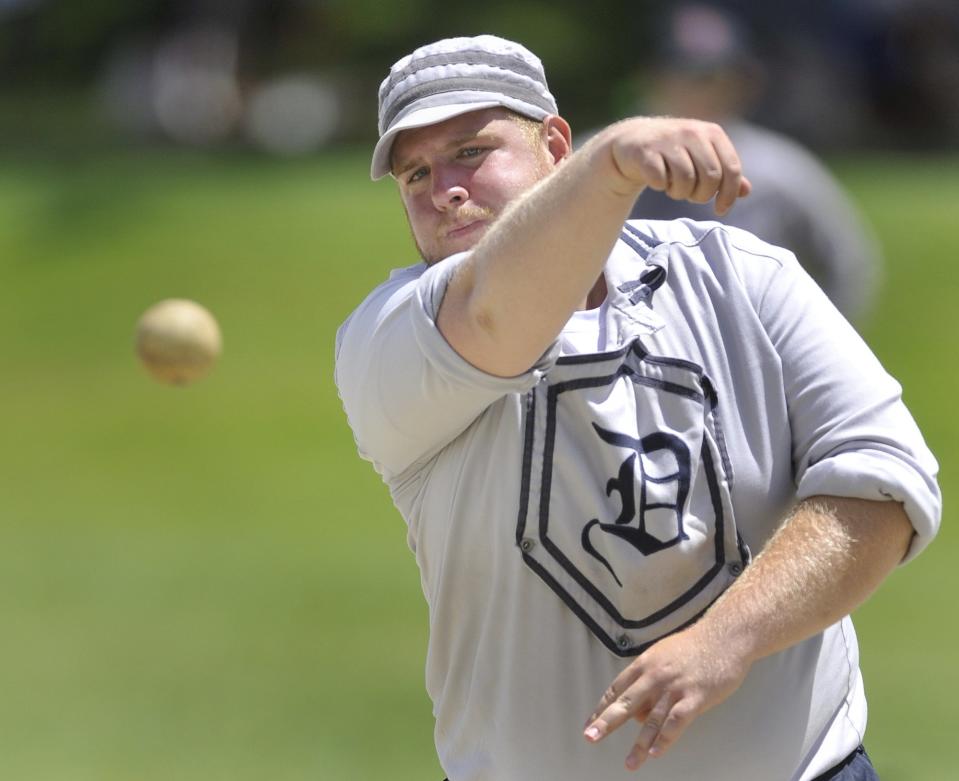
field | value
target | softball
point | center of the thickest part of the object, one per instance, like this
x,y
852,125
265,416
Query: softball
x,y
178,341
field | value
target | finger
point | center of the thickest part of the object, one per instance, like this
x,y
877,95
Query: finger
x,y
624,707
709,174
620,683
681,174
680,716
731,186
654,171
650,732
590,728
642,713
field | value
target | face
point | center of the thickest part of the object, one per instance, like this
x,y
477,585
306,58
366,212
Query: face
x,y
457,177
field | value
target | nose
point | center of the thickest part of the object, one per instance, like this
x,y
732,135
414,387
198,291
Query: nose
x,y
449,189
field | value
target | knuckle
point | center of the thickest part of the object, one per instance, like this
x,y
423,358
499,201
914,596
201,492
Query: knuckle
x,y
712,172
658,677
609,696
734,168
652,725
649,159
680,714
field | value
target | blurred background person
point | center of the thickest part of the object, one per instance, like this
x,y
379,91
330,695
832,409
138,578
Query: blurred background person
x,y
706,68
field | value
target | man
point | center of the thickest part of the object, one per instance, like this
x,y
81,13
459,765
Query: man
x,y
592,427
705,68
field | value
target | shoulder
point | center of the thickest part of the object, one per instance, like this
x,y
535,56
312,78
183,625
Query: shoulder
x,y
399,284
384,298
707,260
709,242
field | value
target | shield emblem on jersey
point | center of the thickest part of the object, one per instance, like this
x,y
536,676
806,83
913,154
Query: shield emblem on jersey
x,y
625,511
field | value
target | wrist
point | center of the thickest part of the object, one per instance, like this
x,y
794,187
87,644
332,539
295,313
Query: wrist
x,y
603,156
730,635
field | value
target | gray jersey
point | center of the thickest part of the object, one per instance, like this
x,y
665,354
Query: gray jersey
x,y
566,518
795,203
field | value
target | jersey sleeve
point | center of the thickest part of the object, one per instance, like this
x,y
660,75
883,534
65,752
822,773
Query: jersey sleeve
x,y
852,435
800,205
407,393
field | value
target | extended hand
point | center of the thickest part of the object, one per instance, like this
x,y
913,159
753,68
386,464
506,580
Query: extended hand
x,y
666,688
686,158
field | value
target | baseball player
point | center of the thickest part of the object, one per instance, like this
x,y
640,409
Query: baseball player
x,y
706,69
647,468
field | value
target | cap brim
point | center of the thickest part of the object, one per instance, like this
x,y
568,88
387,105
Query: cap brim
x,y
433,115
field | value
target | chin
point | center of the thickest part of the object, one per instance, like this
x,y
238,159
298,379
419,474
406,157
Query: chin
x,y
437,254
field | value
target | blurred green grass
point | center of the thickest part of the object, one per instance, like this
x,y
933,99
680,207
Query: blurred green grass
x,y
207,583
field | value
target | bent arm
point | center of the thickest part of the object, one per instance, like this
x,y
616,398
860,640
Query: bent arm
x,y
822,563
534,268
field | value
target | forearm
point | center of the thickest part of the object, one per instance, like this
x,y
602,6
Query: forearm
x,y
823,562
508,302
539,261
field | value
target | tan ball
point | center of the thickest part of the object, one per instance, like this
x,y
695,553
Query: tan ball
x,y
178,341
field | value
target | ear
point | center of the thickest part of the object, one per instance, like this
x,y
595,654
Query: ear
x,y
559,137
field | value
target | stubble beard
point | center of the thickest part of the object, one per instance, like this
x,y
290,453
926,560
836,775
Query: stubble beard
x,y
464,215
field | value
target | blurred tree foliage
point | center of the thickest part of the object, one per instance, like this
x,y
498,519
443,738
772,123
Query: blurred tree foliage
x,y
62,43
43,42
895,61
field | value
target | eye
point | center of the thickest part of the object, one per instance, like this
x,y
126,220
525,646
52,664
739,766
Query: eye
x,y
471,151
418,174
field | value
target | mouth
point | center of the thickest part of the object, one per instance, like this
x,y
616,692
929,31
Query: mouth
x,y
463,230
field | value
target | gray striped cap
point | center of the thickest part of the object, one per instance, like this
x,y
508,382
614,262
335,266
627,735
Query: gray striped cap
x,y
455,76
